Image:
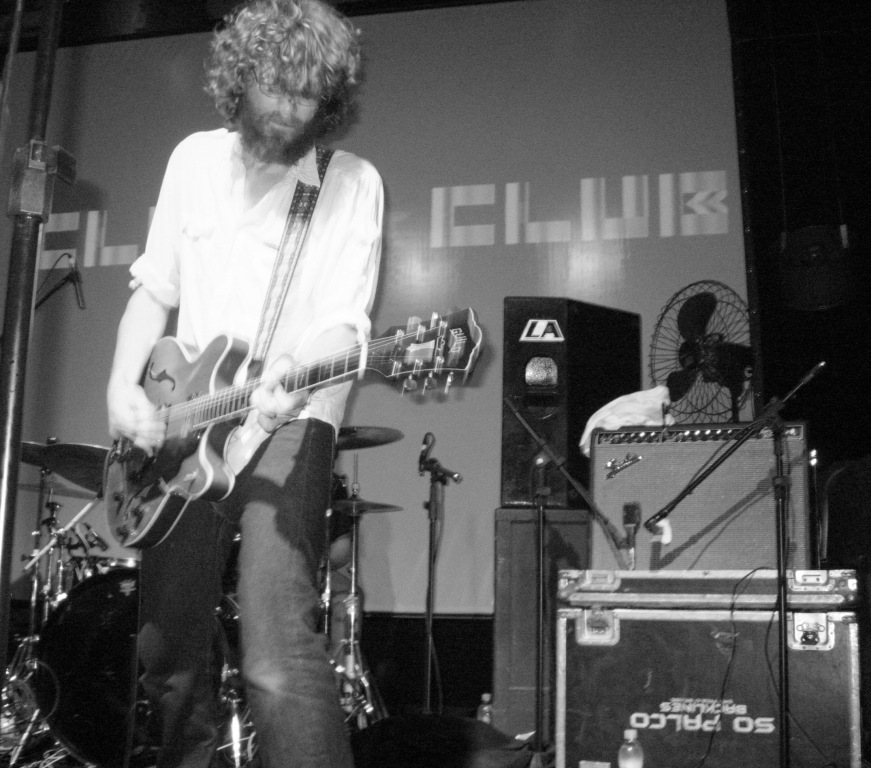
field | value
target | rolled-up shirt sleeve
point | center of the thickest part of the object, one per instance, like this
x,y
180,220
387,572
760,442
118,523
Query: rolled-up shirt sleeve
x,y
157,269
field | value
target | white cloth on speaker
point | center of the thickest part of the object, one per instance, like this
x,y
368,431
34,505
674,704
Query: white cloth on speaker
x,y
647,408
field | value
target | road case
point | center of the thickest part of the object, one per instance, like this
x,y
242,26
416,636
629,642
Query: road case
x,y
835,590
700,684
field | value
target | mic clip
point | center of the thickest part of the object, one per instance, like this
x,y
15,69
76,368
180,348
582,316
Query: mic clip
x,y
425,451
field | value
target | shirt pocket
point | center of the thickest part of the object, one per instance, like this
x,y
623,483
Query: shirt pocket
x,y
197,244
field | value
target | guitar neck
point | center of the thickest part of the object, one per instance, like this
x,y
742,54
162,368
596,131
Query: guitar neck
x,y
333,368
233,402
449,345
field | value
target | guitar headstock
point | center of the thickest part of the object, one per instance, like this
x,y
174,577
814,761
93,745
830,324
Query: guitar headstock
x,y
446,347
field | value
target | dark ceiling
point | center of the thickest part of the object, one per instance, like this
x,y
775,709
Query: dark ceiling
x,y
96,21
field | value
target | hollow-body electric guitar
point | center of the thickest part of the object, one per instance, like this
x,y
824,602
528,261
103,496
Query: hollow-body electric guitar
x,y
209,440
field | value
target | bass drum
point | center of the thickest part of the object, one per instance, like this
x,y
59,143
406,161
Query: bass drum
x,y
86,677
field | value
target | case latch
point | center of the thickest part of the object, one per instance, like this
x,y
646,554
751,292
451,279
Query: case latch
x,y
597,626
810,632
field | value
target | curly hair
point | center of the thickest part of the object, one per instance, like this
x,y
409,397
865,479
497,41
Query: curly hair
x,y
300,48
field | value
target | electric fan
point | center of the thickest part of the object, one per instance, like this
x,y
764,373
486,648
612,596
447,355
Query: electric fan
x,y
701,351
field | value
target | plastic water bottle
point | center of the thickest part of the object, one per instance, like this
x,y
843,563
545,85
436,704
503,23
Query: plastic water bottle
x,y
485,708
630,754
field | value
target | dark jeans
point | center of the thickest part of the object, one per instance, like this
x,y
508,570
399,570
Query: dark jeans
x,y
279,505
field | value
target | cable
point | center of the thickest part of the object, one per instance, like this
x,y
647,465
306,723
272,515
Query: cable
x,y
65,255
727,674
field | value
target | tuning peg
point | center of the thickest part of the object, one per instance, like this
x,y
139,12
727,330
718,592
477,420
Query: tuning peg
x,y
449,379
408,385
416,327
429,383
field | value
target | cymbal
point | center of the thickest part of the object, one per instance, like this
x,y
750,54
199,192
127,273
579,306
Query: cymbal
x,y
33,453
354,506
64,491
353,438
78,463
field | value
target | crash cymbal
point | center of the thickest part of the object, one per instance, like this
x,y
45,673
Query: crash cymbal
x,y
80,464
354,438
58,489
33,453
358,506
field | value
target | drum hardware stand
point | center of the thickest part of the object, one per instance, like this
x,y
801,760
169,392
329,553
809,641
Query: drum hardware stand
x,y
231,695
237,748
780,482
54,588
359,697
327,592
438,479
546,455
17,693
241,737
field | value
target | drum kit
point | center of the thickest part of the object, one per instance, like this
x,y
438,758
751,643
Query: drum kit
x,y
68,686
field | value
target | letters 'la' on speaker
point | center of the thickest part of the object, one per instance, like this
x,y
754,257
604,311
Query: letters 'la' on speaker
x,y
729,521
563,360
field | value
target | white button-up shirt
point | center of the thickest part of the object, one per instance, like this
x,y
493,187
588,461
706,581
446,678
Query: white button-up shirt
x,y
213,258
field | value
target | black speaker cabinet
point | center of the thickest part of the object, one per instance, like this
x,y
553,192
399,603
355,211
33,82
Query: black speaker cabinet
x,y
515,626
727,523
563,360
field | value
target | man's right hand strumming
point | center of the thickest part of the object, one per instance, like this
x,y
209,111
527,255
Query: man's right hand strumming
x,y
131,413
134,416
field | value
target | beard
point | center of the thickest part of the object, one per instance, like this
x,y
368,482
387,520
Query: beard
x,y
265,140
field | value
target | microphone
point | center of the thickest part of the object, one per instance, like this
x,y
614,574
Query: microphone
x,y
425,450
631,523
76,278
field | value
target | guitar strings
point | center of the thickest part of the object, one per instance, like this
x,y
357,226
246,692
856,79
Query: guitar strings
x,y
236,397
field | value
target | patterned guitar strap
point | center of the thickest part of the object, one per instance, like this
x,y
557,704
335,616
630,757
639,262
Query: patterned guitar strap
x,y
299,216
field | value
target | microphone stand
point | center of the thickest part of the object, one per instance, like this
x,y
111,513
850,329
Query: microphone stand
x,y
770,416
544,456
542,492
438,479
610,530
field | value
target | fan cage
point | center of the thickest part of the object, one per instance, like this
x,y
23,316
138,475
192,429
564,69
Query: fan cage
x,y
706,402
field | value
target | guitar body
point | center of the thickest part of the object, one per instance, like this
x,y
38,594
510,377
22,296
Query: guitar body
x,y
145,496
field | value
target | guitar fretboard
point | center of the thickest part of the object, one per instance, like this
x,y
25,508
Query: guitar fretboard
x,y
233,402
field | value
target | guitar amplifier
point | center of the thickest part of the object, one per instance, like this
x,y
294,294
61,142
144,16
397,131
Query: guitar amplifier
x,y
728,522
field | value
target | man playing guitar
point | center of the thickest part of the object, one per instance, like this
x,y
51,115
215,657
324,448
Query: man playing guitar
x,y
283,74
